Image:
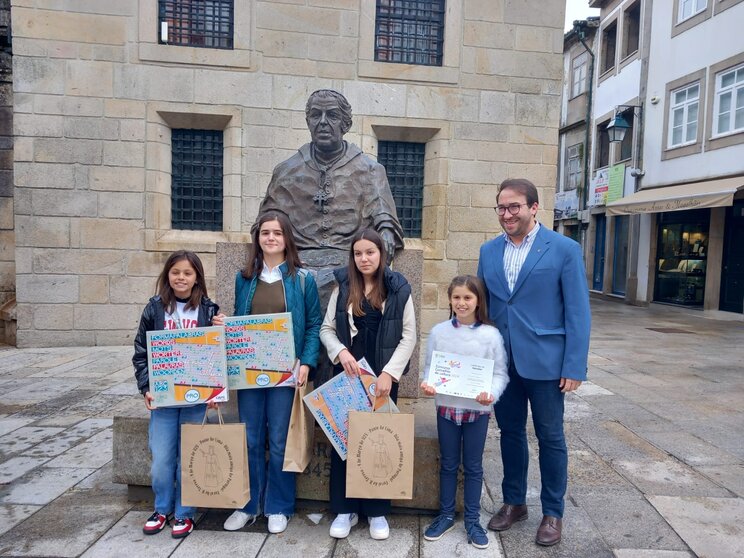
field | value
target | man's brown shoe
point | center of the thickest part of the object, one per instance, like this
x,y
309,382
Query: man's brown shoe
x,y
507,516
549,532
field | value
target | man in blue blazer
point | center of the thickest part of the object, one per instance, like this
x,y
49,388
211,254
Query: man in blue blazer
x,y
538,298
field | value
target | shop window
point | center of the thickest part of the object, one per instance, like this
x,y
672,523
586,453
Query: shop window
x,y
683,115
729,101
196,23
404,165
688,8
609,45
631,30
579,74
410,31
682,257
602,158
196,179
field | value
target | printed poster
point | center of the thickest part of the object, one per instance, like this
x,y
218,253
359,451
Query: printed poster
x,y
260,351
598,188
459,375
187,366
616,182
330,404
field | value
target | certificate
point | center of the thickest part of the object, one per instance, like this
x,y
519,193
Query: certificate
x,y
460,376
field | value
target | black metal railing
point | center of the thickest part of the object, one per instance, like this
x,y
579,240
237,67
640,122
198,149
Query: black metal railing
x,y
410,31
404,165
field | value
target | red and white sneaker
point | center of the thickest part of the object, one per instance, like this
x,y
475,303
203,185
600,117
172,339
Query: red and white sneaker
x,y
182,528
155,523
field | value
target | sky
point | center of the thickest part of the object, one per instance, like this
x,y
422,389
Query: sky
x,y
578,9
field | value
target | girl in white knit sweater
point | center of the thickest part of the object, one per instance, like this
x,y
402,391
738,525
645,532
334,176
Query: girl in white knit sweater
x,y
462,424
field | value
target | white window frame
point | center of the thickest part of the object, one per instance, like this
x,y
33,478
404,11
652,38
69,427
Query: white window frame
x,y
684,106
573,176
736,90
579,68
696,6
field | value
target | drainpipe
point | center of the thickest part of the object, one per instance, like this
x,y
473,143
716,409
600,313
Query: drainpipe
x,y
578,27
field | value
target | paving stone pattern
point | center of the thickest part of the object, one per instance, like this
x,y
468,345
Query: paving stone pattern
x,y
656,459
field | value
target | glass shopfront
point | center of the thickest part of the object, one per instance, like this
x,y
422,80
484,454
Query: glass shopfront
x,y
681,259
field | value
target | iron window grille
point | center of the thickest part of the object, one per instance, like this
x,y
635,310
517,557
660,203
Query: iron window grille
x,y
404,164
196,23
196,183
409,31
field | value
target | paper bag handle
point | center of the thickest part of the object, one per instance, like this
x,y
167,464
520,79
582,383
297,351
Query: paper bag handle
x,y
219,416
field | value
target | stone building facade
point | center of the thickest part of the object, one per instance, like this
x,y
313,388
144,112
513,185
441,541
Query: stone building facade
x,y
99,89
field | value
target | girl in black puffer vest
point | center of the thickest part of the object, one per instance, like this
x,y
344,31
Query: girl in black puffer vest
x,y
369,315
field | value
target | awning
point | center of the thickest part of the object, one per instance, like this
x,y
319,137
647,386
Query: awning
x,y
695,195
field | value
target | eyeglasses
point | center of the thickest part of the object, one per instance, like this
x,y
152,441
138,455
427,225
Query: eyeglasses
x,y
512,207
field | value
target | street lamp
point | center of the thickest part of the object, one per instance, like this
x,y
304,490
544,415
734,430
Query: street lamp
x,y
616,128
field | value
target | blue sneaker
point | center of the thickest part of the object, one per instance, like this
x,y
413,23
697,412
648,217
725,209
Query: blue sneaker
x,y
441,525
477,536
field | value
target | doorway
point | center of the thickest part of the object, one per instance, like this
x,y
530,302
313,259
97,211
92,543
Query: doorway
x,y
732,272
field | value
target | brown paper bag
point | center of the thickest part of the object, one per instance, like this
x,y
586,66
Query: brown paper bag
x,y
214,465
299,449
379,463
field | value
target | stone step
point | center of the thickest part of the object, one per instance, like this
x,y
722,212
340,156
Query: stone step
x,y
131,456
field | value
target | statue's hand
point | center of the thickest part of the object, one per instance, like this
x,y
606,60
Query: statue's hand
x,y
388,239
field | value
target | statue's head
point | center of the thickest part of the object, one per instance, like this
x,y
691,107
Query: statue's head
x,y
328,117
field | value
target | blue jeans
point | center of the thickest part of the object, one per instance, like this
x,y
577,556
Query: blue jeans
x,y
165,446
262,410
546,401
470,439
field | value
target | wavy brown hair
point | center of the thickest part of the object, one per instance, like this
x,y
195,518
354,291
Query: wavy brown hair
x,y
164,289
255,255
356,280
475,286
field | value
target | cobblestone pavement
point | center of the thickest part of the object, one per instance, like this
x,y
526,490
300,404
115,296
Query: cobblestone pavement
x,y
656,443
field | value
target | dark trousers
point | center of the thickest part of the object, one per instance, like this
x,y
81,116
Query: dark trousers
x,y
546,401
337,485
467,439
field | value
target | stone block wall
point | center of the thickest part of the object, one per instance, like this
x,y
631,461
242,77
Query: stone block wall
x,y
95,98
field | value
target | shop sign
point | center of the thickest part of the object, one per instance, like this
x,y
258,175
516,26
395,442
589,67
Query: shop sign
x,y
598,188
566,205
616,183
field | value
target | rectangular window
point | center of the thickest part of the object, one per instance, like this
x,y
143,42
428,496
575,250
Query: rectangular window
x,y
632,29
603,146
688,8
729,103
573,167
684,107
626,146
196,179
579,74
196,23
404,165
609,44
409,31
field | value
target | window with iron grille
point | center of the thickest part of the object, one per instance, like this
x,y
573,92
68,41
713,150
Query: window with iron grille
x,y
409,31
196,23
404,165
196,180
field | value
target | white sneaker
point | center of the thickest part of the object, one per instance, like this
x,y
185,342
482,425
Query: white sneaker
x,y
342,525
378,528
238,520
277,523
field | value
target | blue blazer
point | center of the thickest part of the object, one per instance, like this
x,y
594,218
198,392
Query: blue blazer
x,y
546,319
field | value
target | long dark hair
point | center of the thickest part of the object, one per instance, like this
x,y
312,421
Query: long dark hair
x,y
164,289
475,286
255,255
356,280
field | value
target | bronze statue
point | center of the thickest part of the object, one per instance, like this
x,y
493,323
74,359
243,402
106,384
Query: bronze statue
x,y
330,190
